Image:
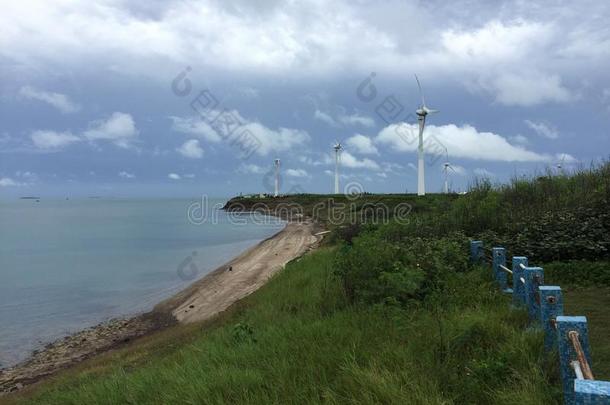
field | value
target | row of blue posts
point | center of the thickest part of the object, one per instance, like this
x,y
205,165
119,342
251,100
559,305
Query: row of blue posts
x,y
544,304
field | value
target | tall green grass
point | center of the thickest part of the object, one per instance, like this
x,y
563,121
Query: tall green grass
x,y
298,340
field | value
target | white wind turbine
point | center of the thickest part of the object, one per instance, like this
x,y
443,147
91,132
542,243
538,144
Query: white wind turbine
x,y
277,177
559,165
337,148
421,112
446,167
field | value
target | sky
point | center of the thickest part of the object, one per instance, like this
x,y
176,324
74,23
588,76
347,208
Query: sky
x,y
120,98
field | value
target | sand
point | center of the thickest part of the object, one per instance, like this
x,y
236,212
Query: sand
x,y
241,276
204,299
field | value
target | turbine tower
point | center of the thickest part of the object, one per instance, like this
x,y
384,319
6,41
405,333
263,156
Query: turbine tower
x,y
277,177
338,148
446,168
421,112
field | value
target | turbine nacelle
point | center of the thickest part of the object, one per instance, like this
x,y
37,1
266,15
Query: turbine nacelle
x,y
423,111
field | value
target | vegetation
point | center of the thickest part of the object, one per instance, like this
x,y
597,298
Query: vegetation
x,y
388,312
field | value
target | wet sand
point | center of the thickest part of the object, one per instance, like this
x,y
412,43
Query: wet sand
x,y
204,299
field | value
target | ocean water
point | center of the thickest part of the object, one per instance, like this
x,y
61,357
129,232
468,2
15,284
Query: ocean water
x,y
69,264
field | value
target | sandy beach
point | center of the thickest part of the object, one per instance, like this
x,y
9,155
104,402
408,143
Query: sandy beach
x,y
204,299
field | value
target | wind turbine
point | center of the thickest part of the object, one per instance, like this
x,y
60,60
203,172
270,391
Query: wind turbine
x,y
277,177
446,167
421,112
337,148
559,164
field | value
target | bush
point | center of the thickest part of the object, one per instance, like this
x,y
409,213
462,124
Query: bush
x,y
377,269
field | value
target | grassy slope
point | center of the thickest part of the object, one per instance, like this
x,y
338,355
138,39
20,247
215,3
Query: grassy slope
x,y
300,343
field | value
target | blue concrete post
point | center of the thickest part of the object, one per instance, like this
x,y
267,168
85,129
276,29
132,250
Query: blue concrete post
x,y
534,277
499,258
567,354
551,306
518,286
476,250
589,392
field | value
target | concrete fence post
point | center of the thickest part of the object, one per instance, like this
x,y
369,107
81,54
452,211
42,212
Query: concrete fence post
x,y
499,258
518,286
534,278
476,251
589,392
567,354
551,306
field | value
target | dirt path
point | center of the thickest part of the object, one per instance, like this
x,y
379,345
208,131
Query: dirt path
x,y
202,300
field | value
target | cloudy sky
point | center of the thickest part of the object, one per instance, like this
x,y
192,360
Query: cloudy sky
x,y
182,98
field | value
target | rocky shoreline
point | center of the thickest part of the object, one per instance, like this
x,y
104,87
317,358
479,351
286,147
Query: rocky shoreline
x,y
75,348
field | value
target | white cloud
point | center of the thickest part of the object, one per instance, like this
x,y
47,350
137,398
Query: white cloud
x,y
296,173
312,162
119,129
174,176
279,140
127,175
27,175
519,139
8,182
342,119
466,39
264,139
57,100
529,89
357,119
349,160
195,126
493,56
462,142
495,42
52,139
543,129
251,168
191,149
189,176
361,144
324,117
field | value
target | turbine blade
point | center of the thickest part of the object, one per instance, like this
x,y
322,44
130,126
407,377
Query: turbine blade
x,y
421,93
452,169
430,111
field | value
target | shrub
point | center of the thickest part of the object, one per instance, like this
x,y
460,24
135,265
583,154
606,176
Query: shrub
x,y
378,269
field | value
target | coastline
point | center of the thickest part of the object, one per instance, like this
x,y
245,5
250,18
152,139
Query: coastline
x,y
202,300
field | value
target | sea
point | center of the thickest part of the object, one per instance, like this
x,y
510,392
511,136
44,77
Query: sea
x,y
69,264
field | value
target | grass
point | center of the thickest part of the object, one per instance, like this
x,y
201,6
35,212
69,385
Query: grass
x,y
593,302
297,340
